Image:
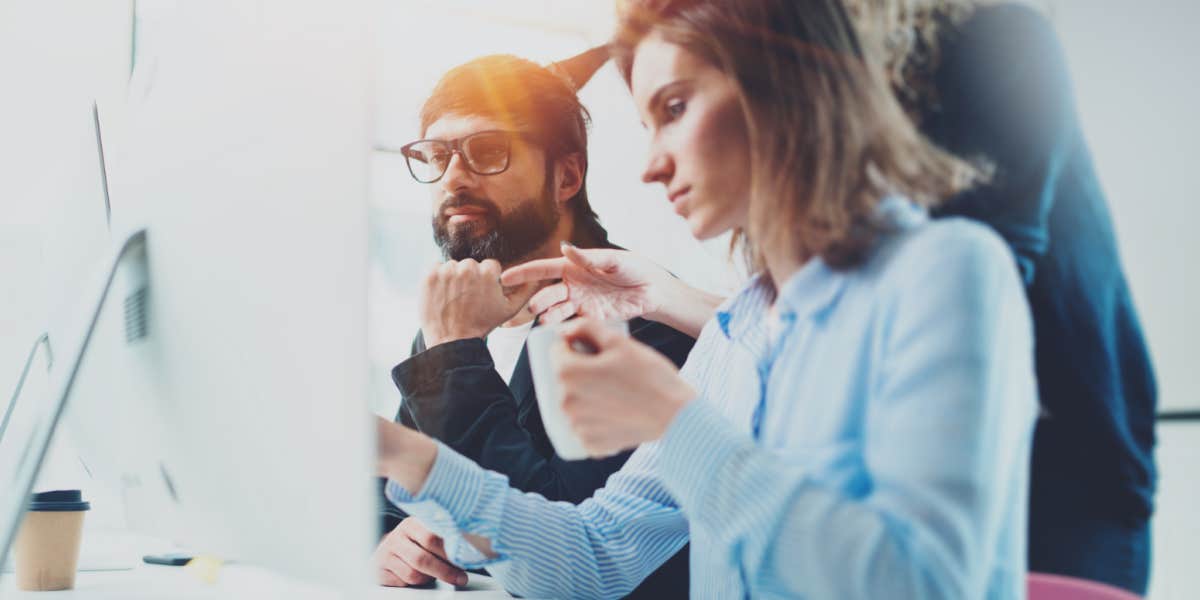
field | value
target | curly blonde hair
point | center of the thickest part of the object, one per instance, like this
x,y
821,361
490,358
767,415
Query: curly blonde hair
x,y
903,37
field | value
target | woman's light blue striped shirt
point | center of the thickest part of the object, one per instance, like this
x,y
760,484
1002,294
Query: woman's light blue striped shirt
x,y
879,449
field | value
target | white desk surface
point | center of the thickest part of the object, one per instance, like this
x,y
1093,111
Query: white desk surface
x,y
235,581
111,569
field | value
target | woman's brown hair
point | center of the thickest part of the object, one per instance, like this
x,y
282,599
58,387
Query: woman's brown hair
x,y
828,140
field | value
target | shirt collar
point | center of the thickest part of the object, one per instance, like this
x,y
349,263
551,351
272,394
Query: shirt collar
x,y
898,213
745,308
809,292
812,290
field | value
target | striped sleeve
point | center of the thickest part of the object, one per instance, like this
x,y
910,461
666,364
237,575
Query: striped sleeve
x,y
945,441
601,548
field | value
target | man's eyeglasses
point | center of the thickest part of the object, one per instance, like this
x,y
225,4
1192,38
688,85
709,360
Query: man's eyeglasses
x,y
484,153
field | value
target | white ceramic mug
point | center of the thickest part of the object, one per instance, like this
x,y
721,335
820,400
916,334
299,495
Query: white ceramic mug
x,y
549,396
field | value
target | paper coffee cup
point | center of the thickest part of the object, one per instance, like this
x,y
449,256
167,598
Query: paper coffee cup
x,y
47,546
549,395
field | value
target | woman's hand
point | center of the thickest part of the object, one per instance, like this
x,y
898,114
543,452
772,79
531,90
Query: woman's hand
x,y
612,284
403,455
603,283
624,394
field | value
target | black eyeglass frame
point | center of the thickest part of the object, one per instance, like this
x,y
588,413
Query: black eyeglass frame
x,y
456,147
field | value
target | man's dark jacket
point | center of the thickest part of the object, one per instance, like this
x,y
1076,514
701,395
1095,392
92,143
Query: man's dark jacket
x,y
452,393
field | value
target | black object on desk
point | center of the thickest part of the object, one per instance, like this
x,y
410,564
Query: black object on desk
x,y
171,559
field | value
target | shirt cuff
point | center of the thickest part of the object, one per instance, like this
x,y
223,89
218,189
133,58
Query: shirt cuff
x,y
696,446
458,497
423,371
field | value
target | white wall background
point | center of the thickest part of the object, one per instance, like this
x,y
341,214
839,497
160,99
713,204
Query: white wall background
x,y
1135,68
56,56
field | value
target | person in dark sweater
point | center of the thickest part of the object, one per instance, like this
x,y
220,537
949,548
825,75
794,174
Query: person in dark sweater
x,y
505,155
989,81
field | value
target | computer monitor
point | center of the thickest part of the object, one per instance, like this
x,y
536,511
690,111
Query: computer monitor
x,y
76,217
237,421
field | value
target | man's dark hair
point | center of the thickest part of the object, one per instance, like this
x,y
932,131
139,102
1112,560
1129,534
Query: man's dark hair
x,y
528,97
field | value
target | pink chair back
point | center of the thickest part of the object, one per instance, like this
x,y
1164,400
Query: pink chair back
x,y
1043,586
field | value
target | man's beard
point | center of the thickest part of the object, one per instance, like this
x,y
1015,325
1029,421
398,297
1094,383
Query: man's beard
x,y
505,238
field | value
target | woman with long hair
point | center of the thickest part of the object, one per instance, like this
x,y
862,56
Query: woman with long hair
x,y
988,80
855,423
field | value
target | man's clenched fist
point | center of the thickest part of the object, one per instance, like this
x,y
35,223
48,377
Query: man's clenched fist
x,y
464,299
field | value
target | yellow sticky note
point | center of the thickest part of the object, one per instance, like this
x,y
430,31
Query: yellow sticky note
x,y
205,568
